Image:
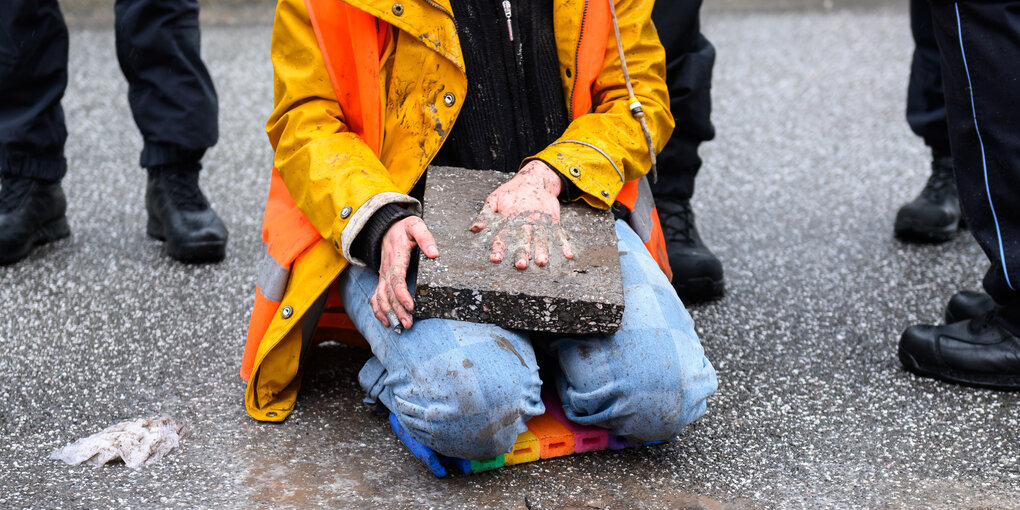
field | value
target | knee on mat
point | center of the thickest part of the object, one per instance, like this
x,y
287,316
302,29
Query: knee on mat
x,y
649,409
471,422
661,416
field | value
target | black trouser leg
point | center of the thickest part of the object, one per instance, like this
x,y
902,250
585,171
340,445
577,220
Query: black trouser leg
x,y
980,46
33,76
170,91
689,60
926,104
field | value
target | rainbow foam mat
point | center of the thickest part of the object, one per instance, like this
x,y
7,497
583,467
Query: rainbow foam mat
x,y
549,435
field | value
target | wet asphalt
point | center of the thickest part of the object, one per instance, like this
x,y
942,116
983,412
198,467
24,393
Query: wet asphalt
x,y
797,198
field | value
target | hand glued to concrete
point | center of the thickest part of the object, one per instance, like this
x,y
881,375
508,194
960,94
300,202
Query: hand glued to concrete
x,y
573,287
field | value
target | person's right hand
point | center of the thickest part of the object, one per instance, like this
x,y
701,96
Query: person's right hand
x,y
397,246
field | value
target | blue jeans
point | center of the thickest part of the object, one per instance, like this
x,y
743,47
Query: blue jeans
x,y
466,389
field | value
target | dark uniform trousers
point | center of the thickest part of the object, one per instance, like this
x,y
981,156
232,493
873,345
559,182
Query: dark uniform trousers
x,y
169,89
689,61
690,58
980,47
926,105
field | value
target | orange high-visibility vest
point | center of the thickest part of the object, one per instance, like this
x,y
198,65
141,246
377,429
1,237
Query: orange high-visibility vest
x,y
351,42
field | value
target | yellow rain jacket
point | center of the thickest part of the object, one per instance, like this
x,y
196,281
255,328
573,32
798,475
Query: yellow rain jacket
x,y
366,92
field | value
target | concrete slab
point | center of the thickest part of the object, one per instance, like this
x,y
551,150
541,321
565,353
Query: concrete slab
x,y
579,296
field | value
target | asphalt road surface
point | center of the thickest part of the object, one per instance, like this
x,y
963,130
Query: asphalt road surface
x,y
798,196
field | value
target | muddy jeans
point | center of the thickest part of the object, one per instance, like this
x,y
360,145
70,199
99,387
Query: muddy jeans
x,y
467,389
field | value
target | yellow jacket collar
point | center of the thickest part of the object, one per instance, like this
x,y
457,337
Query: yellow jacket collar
x,y
430,21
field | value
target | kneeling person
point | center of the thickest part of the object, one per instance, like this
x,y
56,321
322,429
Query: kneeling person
x,y
364,104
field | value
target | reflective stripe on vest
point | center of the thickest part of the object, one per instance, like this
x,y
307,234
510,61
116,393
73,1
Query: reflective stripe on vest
x,y
644,219
269,289
272,279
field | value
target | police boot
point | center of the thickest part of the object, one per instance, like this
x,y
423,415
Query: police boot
x,y
934,216
697,273
32,212
180,215
975,352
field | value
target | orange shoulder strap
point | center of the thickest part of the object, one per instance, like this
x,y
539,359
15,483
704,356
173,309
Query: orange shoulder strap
x,y
635,195
354,71
345,36
591,53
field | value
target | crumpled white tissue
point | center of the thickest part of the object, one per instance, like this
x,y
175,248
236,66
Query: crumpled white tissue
x,y
139,443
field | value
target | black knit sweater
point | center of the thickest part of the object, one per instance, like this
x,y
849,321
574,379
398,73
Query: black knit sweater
x,y
514,106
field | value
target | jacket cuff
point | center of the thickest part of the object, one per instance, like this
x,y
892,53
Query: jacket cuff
x,y
367,245
364,214
569,191
588,168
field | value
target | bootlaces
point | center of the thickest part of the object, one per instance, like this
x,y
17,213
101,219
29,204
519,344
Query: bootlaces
x,y
12,192
679,223
941,182
184,190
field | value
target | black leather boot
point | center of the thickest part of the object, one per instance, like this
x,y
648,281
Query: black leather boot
x,y
32,212
968,305
697,273
975,352
180,215
934,216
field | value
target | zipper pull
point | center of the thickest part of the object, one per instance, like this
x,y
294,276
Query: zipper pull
x,y
507,11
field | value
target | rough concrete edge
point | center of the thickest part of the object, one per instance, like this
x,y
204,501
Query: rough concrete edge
x,y
428,305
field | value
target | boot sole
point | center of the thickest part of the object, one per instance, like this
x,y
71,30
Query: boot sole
x,y
52,231
189,253
990,381
696,290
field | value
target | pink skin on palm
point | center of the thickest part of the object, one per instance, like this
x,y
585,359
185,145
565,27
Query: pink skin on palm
x,y
531,196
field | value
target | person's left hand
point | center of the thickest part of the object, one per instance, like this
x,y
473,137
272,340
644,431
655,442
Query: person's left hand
x,y
528,214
